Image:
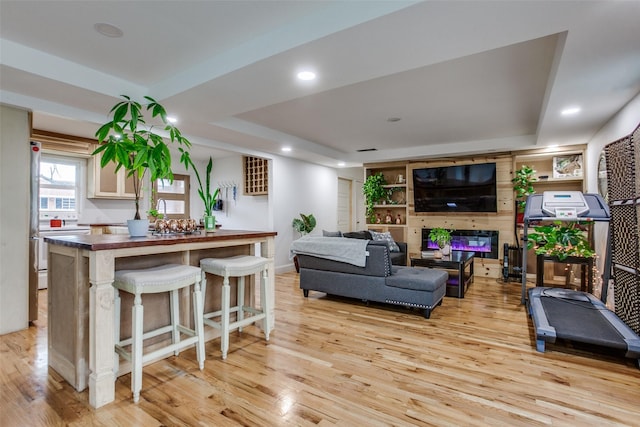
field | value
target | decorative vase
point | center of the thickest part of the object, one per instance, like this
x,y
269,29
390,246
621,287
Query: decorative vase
x,y
446,250
209,223
437,254
138,227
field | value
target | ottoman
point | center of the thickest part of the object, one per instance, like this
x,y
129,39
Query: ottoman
x,y
417,287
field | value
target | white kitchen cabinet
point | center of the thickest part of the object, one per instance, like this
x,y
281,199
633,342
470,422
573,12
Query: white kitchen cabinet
x,y
105,183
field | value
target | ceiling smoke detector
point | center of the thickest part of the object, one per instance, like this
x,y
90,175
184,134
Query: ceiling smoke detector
x,y
108,30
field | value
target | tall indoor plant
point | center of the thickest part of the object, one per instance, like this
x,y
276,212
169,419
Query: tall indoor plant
x,y
373,190
208,197
523,186
130,143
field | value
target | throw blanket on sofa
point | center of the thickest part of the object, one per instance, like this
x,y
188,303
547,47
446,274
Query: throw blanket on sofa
x,y
351,251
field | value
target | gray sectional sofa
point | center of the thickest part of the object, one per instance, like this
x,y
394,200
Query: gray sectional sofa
x,y
377,281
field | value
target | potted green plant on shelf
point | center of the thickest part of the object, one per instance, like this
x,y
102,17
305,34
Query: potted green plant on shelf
x,y
441,237
523,186
305,224
208,197
130,143
373,190
560,240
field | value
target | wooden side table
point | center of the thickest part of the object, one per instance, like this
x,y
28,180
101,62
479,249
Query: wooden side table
x,y
586,270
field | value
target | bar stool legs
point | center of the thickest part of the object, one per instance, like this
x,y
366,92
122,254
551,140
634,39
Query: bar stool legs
x,y
238,266
167,278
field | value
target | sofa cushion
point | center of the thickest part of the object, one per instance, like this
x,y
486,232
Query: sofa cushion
x,y
385,236
417,278
364,234
326,233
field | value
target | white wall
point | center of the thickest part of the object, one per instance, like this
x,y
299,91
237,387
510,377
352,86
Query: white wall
x,y
300,187
14,219
246,212
622,124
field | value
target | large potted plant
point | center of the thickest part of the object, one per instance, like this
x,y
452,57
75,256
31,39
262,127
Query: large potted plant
x,y
208,197
130,143
560,240
523,186
373,190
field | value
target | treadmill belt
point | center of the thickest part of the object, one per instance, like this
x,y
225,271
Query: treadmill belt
x,y
579,320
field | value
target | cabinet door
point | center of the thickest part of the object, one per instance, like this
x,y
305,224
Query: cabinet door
x,y
105,183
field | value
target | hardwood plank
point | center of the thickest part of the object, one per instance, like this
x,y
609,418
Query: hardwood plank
x,y
336,361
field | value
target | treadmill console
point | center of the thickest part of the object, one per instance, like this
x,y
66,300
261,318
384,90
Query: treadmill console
x,y
564,204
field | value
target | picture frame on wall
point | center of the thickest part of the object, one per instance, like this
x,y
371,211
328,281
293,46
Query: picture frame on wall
x,y
567,166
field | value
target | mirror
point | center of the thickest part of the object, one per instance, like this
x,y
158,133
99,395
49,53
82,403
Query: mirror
x,y
602,177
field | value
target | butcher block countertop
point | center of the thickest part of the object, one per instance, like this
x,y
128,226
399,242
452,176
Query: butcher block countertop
x,y
100,242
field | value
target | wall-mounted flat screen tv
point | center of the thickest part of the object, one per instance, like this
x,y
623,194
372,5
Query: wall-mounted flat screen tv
x,y
465,188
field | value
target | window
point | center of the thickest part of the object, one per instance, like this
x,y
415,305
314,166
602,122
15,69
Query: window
x,y
172,198
59,181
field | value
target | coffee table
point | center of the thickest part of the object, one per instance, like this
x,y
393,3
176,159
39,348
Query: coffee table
x,y
460,261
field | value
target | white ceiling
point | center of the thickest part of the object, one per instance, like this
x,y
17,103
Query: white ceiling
x,y
463,76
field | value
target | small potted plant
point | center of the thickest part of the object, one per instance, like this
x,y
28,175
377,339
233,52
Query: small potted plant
x,y
441,237
373,190
210,199
130,143
305,224
523,186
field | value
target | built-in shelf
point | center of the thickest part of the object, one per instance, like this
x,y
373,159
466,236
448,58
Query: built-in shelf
x,y
403,206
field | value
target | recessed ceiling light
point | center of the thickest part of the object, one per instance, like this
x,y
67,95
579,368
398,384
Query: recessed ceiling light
x,y
341,164
172,119
108,30
306,75
286,149
570,111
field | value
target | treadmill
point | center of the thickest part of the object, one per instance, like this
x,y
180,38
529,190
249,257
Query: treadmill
x,y
568,314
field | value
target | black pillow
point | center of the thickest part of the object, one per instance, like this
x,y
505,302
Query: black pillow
x,y
364,234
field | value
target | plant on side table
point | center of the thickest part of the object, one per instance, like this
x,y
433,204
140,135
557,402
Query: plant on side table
x,y
560,240
441,237
373,190
208,198
130,143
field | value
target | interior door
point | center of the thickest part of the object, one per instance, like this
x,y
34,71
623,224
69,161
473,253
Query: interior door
x,y
345,205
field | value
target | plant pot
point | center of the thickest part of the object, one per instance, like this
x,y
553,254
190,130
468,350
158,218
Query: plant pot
x,y
209,223
437,254
446,250
138,227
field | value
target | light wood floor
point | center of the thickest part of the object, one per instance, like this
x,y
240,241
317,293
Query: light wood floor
x,y
333,361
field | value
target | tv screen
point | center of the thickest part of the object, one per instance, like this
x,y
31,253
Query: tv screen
x,y
465,188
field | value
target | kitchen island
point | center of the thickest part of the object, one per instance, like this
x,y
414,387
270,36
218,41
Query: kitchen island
x,y
81,295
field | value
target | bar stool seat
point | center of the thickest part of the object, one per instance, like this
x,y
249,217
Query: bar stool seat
x,y
236,266
165,278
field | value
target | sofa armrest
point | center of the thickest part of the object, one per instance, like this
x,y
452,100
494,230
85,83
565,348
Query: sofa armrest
x,y
402,246
400,258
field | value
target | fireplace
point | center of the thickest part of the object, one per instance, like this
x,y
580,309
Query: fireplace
x,y
483,242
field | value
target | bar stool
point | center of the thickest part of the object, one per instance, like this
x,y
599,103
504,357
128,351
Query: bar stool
x,y
166,278
236,266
